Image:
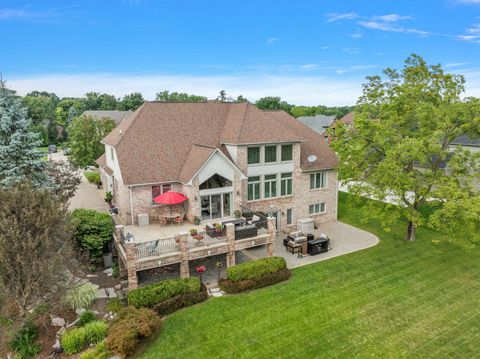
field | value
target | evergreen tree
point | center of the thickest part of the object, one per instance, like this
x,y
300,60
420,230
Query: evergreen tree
x,y
19,157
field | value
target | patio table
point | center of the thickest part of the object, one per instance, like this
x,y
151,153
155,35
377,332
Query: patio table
x,y
170,216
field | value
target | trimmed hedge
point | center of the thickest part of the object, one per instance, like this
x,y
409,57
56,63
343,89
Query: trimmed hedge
x,y
230,286
173,304
76,340
92,177
153,294
256,269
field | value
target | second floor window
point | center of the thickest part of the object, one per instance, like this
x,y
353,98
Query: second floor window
x,y
287,152
286,184
270,186
159,189
253,155
253,188
270,154
318,180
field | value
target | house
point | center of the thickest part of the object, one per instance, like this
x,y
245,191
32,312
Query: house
x,y
224,157
115,115
319,123
467,143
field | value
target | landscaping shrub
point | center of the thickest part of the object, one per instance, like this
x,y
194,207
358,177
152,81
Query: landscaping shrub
x,y
256,269
98,352
92,231
86,317
76,340
152,294
80,296
23,342
115,305
173,304
230,286
92,177
130,327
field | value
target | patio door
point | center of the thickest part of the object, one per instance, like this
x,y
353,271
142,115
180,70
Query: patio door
x,y
215,206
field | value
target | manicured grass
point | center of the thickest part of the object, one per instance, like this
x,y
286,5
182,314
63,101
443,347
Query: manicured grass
x,y
394,300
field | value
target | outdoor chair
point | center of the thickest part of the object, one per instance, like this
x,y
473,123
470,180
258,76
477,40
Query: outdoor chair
x,y
178,219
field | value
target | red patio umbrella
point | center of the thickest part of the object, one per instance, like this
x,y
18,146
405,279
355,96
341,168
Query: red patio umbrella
x,y
170,198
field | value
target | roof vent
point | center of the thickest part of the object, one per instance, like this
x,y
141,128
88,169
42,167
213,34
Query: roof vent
x,y
312,158
120,131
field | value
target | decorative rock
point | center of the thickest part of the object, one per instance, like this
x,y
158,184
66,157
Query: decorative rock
x,y
92,276
61,331
110,292
118,286
101,294
80,311
214,290
57,348
58,322
217,294
108,271
105,316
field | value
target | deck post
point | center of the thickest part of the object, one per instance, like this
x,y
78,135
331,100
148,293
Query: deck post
x,y
182,243
230,232
131,264
272,236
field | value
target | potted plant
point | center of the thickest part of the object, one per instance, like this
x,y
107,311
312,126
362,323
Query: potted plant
x,y
198,237
219,266
218,227
109,198
196,220
193,232
200,270
237,213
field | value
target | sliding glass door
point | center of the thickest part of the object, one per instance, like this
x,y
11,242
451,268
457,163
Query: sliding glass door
x,y
216,206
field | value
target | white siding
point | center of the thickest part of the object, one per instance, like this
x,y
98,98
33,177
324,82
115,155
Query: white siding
x,y
216,164
233,152
259,170
112,163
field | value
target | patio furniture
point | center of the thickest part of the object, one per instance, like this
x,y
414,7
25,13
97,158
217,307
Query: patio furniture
x,y
178,219
293,247
246,231
317,246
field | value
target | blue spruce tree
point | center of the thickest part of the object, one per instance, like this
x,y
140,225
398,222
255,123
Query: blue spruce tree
x,y
19,156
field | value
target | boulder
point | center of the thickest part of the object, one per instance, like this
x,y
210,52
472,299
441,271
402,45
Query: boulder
x,y
58,322
80,311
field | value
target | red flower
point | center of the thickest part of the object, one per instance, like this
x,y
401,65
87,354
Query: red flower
x,y
200,269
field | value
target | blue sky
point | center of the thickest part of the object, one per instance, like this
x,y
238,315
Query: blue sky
x,y
307,52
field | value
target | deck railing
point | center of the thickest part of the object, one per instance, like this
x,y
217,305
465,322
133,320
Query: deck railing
x,y
156,247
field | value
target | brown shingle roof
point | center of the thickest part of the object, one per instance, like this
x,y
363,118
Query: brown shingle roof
x,y
101,161
348,118
164,141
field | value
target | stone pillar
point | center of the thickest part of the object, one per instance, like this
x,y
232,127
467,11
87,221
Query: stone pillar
x,y
231,244
272,236
122,270
131,256
182,243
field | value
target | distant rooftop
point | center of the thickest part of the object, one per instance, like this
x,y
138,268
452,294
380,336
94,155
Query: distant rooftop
x,y
318,123
115,115
464,140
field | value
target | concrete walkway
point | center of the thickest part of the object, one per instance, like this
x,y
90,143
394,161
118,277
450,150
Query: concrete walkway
x,y
344,239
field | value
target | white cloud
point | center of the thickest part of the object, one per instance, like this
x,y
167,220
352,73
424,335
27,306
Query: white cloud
x,y
356,35
474,30
345,16
392,17
326,48
271,41
470,38
468,1
308,67
387,26
47,16
455,64
297,89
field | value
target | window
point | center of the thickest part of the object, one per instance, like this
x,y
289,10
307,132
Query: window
x,y
157,190
216,181
316,208
270,186
289,216
287,152
286,185
318,180
253,155
253,188
270,154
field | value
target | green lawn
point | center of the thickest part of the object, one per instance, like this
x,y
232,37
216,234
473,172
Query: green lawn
x,y
394,300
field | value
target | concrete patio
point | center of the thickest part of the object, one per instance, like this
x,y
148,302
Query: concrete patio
x,y
344,239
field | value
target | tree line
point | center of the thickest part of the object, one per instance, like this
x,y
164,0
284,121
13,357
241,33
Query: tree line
x,y
50,113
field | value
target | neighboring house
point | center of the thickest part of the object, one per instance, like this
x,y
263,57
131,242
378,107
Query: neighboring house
x,y
223,157
467,143
115,115
318,123
348,119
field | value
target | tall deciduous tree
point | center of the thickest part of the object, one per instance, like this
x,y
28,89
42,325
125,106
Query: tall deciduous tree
x,y
166,96
19,157
85,134
273,103
41,105
131,102
34,239
401,140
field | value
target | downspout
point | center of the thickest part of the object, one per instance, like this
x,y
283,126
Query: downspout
x,y
131,205
336,209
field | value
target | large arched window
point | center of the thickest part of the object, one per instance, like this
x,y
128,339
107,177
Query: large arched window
x,y
216,181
